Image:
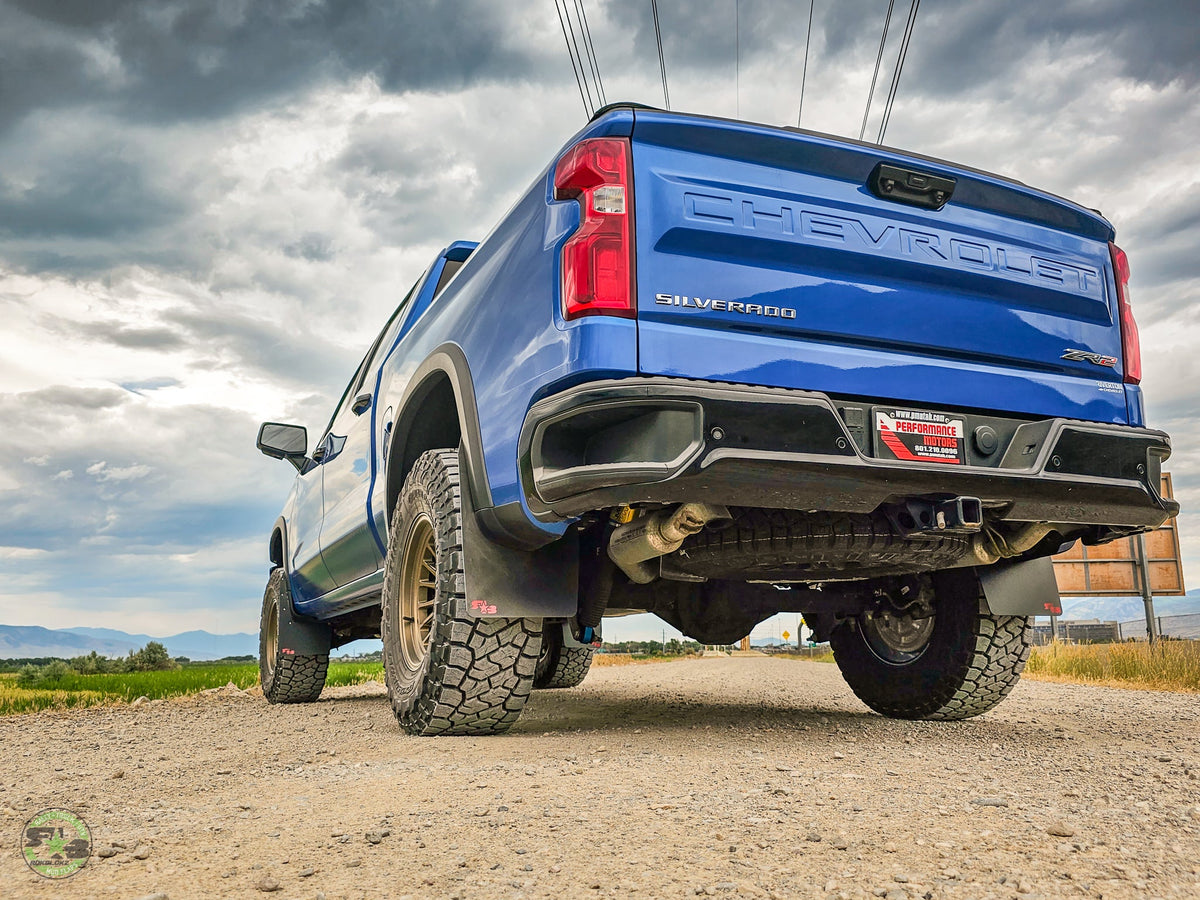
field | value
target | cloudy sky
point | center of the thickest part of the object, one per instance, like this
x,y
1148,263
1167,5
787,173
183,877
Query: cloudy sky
x,y
208,207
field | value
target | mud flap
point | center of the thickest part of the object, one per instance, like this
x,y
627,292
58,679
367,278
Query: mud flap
x,y
1025,588
301,635
507,583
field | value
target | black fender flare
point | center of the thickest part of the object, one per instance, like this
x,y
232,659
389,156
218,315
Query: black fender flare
x,y
513,568
448,360
507,524
280,526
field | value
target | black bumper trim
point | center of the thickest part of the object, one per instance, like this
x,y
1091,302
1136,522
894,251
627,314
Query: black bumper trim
x,y
599,445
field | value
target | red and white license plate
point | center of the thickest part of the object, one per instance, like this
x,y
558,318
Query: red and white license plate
x,y
915,435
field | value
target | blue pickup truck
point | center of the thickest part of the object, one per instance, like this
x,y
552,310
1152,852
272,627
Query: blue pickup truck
x,y
715,370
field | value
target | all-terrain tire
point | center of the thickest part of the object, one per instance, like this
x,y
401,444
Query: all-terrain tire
x,y
472,675
286,677
809,546
972,660
560,666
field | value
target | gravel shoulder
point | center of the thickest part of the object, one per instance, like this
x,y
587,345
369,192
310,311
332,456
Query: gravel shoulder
x,y
743,776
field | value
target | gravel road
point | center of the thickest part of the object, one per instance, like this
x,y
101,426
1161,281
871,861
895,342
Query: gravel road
x,y
730,777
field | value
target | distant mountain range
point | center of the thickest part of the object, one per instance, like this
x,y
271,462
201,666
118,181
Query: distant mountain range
x,y
1125,609
33,641
25,641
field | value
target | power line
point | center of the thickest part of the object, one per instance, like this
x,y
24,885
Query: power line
x,y
587,110
878,59
579,56
804,73
908,30
591,50
662,63
910,26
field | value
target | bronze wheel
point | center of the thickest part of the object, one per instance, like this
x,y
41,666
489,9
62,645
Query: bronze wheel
x,y
418,593
270,636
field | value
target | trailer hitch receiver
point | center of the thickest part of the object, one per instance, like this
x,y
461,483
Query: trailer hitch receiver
x,y
917,516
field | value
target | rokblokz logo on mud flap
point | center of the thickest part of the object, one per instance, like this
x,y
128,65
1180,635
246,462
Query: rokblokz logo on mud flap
x,y
56,843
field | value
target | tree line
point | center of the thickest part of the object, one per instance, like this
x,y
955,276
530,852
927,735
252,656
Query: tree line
x,y
673,647
151,658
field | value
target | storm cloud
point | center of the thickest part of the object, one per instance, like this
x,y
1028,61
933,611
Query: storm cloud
x,y
193,60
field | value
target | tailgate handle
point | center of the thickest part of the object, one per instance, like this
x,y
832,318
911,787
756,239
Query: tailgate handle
x,y
888,182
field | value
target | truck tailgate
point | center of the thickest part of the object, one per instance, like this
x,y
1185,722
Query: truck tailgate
x,y
764,258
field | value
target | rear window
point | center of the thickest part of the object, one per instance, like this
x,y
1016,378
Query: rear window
x,y
452,266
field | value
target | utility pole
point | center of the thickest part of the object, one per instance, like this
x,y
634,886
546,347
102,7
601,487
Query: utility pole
x,y
1143,564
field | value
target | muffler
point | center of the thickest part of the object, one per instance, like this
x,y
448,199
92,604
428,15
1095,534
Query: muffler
x,y
633,544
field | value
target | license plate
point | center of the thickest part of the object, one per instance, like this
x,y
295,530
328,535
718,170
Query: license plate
x,y
915,435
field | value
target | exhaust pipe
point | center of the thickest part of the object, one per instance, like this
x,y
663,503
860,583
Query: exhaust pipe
x,y
633,544
990,546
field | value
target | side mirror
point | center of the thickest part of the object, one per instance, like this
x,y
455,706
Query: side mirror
x,y
288,442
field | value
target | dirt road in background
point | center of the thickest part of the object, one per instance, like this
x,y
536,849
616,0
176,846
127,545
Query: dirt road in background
x,y
728,777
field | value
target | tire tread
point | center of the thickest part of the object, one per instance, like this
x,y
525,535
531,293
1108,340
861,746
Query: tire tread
x,y
1002,648
982,667
296,678
299,679
561,667
479,671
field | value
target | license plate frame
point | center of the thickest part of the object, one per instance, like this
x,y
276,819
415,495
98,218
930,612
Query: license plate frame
x,y
919,435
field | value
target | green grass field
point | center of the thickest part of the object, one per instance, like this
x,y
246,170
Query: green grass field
x,y
73,691
1173,666
354,673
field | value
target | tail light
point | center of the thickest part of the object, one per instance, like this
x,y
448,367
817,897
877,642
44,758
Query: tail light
x,y
597,261
1131,346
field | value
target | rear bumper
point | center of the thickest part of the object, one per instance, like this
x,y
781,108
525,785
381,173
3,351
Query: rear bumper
x,y
672,440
